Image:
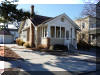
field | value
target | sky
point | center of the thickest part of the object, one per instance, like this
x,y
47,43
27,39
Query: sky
x,y
53,1
52,10
46,1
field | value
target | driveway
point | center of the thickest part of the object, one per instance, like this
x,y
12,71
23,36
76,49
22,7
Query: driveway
x,y
41,61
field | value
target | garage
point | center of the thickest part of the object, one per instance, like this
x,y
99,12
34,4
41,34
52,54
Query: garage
x,y
5,37
1,39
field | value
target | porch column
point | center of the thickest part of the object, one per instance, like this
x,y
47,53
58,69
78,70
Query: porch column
x,y
48,31
36,42
48,36
55,31
60,31
42,31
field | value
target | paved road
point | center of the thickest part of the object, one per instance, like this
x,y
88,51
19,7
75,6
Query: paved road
x,y
41,61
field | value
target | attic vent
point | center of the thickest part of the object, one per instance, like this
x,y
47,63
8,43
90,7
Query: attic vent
x,y
62,19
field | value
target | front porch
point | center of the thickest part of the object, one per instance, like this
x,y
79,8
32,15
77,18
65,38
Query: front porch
x,y
52,34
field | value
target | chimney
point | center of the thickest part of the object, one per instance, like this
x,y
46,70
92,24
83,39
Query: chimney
x,y
32,10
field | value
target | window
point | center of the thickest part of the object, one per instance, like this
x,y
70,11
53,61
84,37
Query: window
x,y
83,36
67,34
24,34
83,25
62,32
52,31
93,26
41,31
45,31
57,32
62,19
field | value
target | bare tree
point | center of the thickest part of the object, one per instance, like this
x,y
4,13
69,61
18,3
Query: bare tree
x,y
89,10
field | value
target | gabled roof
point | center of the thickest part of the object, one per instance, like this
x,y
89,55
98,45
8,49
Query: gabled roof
x,y
38,19
69,19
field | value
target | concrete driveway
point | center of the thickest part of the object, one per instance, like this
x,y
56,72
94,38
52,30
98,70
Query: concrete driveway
x,y
41,61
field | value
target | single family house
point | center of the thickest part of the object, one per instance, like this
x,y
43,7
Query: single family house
x,y
47,31
90,30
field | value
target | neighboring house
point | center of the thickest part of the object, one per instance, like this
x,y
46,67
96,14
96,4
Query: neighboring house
x,y
46,31
13,30
90,30
8,33
5,37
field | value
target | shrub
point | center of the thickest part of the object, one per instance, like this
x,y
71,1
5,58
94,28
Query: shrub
x,y
19,42
83,45
59,47
26,44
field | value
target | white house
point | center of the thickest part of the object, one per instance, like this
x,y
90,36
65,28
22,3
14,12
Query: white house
x,y
47,31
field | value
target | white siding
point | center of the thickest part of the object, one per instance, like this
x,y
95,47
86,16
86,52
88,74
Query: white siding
x,y
24,36
27,23
68,25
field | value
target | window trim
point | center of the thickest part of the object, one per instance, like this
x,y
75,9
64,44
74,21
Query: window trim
x,y
58,35
67,36
51,31
83,25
